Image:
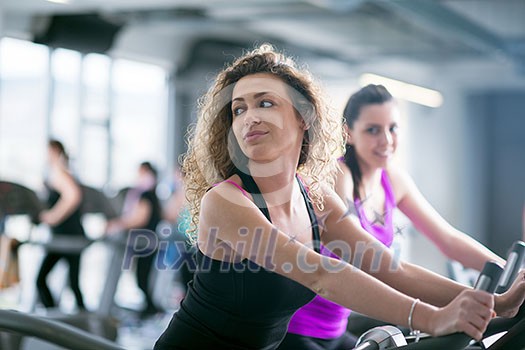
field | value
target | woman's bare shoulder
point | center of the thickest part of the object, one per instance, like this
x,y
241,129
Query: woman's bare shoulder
x,y
224,196
400,179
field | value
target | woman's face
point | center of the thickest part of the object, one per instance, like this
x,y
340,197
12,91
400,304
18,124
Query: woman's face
x,y
374,134
53,155
145,179
265,123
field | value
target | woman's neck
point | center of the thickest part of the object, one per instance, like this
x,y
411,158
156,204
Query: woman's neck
x,y
277,186
370,179
55,168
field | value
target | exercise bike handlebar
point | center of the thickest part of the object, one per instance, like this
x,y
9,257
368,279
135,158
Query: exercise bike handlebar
x,y
489,277
488,281
492,279
55,332
515,260
514,263
368,345
516,325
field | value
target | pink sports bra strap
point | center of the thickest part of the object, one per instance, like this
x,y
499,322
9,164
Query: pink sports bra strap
x,y
234,184
303,183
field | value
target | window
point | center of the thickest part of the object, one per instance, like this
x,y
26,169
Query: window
x,y
139,121
23,111
110,114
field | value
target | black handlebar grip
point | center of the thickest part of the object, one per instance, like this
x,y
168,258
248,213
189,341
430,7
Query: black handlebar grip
x,y
512,266
488,281
489,277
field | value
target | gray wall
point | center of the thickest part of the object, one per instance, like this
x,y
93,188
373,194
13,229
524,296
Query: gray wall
x,y
467,158
498,119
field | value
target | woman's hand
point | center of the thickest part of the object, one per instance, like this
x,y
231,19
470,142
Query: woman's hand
x,y
113,227
47,217
470,313
508,303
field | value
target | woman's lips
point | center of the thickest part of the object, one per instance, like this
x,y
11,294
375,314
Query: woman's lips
x,y
254,135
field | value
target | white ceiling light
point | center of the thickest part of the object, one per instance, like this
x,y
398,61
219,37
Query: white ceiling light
x,y
59,1
405,91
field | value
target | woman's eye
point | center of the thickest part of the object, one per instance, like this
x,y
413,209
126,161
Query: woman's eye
x,y
373,130
266,104
237,110
394,128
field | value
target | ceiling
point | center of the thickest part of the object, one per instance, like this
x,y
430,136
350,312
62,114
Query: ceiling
x,y
336,34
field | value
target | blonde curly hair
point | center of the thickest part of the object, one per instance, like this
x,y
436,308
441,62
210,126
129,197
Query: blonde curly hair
x,y
213,151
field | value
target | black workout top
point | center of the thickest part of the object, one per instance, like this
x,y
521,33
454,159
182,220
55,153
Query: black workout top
x,y
71,225
237,305
155,215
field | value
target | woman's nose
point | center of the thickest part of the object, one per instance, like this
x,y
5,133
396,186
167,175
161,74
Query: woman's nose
x,y
251,117
387,138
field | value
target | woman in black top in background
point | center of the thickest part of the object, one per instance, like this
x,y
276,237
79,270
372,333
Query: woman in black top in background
x,y
142,212
63,216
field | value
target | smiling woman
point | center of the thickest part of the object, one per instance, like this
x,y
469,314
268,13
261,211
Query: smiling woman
x,y
264,139
374,186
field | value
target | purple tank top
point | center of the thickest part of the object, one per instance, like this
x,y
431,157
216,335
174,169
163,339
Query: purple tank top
x,y
322,318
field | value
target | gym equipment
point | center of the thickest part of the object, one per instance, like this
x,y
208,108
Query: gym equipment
x,y
515,259
53,331
15,326
16,199
380,339
492,278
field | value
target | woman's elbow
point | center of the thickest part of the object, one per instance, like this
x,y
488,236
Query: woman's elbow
x,y
325,279
320,285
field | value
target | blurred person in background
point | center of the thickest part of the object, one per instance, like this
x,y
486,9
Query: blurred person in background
x,y
141,211
64,219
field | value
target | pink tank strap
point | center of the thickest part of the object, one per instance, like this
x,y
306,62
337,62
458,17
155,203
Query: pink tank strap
x,y
390,199
234,184
303,183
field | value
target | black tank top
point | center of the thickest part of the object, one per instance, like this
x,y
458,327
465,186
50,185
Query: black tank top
x,y
156,213
237,305
71,225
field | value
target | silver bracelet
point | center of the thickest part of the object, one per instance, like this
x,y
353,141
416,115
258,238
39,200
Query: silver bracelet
x,y
411,313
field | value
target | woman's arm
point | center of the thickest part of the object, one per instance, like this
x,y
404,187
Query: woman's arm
x,y
70,198
137,218
452,242
174,206
365,252
352,243
230,223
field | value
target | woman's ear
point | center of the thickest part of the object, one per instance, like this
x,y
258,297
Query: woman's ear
x,y
347,134
305,111
304,125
